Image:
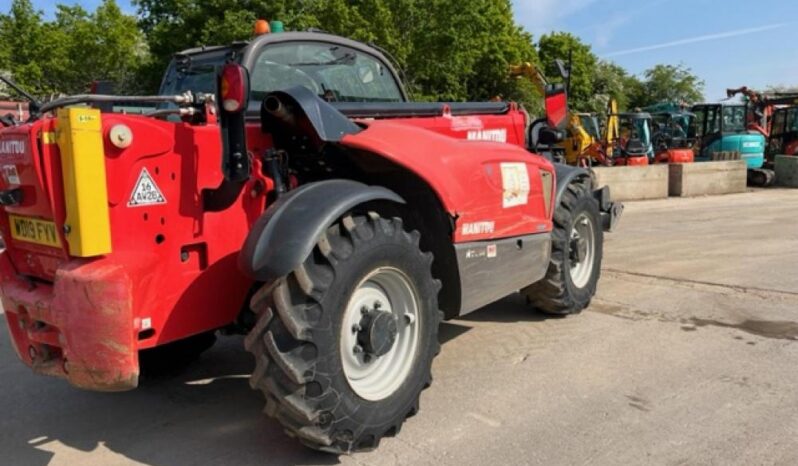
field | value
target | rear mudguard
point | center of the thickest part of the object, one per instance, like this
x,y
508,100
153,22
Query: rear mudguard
x,y
289,229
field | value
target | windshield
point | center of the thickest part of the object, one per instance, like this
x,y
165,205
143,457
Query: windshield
x,y
734,118
590,124
333,72
785,121
635,128
675,126
196,73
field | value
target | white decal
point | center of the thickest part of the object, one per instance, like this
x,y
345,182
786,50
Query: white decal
x,y
478,228
515,184
750,144
466,123
492,251
477,253
494,135
145,192
146,323
10,174
12,147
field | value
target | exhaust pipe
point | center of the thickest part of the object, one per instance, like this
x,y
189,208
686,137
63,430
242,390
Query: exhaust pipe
x,y
274,105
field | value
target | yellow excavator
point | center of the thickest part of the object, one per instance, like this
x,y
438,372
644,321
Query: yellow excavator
x,y
578,147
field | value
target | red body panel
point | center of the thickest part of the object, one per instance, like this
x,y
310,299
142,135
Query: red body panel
x,y
173,270
466,175
675,156
508,128
630,161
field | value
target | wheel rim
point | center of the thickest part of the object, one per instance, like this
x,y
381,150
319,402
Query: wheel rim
x,y
582,250
385,290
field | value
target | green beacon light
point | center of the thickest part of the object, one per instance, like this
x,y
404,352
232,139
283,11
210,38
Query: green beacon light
x,y
277,26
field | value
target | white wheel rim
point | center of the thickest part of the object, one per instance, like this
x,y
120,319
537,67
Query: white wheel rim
x,y
583,230
377,378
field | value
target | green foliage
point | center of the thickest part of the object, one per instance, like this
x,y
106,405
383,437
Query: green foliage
x,y
174,25
667,83
449,49
562,45
77,47
610,81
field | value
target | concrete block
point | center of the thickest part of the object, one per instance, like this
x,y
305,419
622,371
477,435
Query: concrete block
x,y
634,183
787,170
707,178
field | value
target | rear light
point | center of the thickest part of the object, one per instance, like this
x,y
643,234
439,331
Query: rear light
x,y
234,87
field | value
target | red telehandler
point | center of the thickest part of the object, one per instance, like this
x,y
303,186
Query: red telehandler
x,y
285,189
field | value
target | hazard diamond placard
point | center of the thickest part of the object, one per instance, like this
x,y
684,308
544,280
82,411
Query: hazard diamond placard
x,y
145,192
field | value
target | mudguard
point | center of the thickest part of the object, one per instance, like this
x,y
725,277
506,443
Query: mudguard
x,y
610,211
287,232
565,175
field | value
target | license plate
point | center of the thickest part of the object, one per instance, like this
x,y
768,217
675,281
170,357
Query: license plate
x,y
34,230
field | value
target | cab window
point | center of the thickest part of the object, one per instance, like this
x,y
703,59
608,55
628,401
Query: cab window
x,y
734,118
333,72
778,125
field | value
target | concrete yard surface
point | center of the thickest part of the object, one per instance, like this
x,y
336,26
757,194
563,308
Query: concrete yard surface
x,y
688,355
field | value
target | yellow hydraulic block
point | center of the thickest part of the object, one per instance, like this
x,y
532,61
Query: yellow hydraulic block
x,y
87,227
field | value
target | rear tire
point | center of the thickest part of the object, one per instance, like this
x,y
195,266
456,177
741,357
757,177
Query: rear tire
x,y
577,249
319,342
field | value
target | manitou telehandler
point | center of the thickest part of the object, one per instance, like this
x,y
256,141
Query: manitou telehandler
x,y
287,190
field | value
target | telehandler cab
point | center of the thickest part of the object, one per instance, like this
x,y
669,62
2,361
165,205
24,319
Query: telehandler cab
x,y
285,189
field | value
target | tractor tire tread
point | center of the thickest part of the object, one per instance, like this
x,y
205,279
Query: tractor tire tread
x,y
288,364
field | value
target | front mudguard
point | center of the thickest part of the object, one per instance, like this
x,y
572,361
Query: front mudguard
x,y
609,211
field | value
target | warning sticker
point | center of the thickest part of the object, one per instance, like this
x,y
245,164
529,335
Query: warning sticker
x,y
10,174
145,192
515,184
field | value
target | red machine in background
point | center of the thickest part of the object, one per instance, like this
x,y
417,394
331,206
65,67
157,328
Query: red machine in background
x,y
671,140
774,116
763,106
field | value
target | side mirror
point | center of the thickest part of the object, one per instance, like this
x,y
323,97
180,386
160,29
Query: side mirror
x,y
551,136
557,107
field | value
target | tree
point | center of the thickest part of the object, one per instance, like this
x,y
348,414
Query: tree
x,y
66,54
610,80
174,25
450,49
668,83
562,45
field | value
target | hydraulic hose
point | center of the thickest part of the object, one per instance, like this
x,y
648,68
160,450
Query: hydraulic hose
x,y
185,98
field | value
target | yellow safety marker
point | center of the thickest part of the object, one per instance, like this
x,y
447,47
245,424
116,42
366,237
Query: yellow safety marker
x,y
87,227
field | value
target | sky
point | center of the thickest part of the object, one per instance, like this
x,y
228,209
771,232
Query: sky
x,y
728,43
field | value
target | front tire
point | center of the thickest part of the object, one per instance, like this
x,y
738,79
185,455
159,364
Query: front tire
x,y
577,250
344,344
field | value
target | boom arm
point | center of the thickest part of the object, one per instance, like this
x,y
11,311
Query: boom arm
x,y
531,72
